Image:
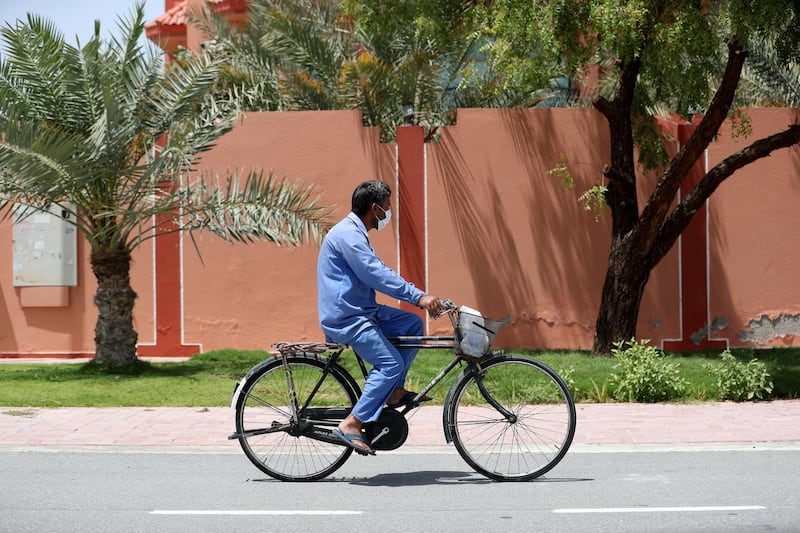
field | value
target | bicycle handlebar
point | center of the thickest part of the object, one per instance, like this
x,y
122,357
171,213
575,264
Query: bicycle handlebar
x,y
449,305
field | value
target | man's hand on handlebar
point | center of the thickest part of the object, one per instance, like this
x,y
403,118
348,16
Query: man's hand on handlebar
x,y
432,305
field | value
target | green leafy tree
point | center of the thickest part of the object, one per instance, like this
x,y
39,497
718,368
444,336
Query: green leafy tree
x,y
650,55
102,132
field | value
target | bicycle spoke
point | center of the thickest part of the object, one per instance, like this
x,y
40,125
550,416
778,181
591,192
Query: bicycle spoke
x,y
537,432
289,453
255,398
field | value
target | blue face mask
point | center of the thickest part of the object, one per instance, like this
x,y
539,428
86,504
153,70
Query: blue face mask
x,y
385,220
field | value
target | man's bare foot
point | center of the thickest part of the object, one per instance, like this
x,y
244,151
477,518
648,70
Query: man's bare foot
x,y
353,426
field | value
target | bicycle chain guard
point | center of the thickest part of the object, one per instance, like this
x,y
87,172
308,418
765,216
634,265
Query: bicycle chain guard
x,y
388,432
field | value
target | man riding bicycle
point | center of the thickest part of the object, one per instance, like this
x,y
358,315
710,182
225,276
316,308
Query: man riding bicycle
x,y
348,276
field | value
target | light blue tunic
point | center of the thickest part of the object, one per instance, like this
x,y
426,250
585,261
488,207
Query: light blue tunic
x,y
348,275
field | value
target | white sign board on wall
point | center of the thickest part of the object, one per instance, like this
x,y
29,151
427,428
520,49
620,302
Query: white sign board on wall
x,y
45,249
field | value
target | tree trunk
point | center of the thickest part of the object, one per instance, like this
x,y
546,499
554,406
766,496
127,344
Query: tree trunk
x,y
115,338
626,278
626,275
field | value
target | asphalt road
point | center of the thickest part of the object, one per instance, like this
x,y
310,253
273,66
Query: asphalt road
x,y
613,488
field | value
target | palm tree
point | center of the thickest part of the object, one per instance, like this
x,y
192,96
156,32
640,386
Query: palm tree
x,y
315,55
102,132
767,79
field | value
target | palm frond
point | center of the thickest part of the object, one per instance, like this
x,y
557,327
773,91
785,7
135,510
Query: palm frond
x,y
766,78
305,34
35,163
248,76
39,60
367,84
101,126
179,92
258,208
303,92
126,44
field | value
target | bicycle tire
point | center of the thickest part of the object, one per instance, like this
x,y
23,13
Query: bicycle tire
x,y
285,452
541,425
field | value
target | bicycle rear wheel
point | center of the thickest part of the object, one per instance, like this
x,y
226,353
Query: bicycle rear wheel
x,y
511,418
279,445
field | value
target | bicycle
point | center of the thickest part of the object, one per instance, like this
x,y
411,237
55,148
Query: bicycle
x,y
510,417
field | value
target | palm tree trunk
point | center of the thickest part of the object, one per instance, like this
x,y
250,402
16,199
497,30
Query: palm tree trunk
x,y
115,338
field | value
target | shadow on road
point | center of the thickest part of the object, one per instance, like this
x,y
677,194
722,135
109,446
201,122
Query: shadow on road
x,y
426,477
423,477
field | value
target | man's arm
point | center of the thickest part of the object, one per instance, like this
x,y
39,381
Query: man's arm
x,y
375,274
366,265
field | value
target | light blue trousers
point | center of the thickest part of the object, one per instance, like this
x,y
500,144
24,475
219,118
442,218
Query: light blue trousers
x,y
389,365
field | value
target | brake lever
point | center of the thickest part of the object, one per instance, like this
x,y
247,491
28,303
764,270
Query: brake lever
x,y
448,305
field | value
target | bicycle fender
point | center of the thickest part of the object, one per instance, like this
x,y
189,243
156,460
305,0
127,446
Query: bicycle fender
x,y
237,391
448,434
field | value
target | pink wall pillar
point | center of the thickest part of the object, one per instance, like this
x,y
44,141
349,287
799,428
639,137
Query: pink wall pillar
x,y
695,315
411,206
169,326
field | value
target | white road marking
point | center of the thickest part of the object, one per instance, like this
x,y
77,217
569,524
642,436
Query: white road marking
x,y
253,512
706,509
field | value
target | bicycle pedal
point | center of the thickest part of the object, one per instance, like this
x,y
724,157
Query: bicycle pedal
x,y
389,432
382,432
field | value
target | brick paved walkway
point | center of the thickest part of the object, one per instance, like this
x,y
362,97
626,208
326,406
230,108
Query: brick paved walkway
x,y
209,427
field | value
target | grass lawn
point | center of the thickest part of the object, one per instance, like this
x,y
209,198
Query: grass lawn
x,y
208,380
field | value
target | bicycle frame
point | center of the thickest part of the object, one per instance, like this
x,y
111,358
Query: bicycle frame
x,y
334,351
470,400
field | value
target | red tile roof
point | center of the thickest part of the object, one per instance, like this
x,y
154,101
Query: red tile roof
x,y
173,22
176,16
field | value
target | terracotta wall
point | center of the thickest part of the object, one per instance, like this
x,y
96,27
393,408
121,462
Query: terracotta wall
x,y
509,240
754,241
499,235
253,295
38,321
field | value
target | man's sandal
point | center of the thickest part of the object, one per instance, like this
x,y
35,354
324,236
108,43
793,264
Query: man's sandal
x,y
349,439
408,398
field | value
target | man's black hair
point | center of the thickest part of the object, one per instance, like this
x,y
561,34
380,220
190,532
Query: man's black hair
x,y
368,193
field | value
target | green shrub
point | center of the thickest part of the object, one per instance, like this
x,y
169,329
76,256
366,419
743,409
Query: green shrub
x,y
643,375
740,381
567,374
599,394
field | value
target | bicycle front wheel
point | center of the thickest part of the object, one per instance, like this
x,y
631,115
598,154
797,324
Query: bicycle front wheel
x,y
273,439
511,418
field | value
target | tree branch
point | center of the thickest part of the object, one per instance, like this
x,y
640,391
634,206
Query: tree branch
x,y
655,212
683,213
621,170
720,104
605,108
